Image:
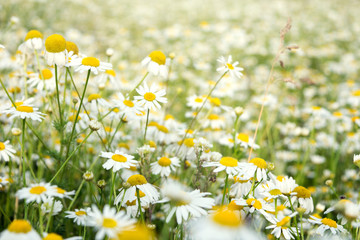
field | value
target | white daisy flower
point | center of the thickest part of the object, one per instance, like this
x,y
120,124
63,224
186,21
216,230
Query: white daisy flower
x,y
285,184
195,102
280,227
20,230
44,80
185,205
139,182
4,181
38,192
245,141
164,166
240,187
258,205
55,53
150,97
304,198
326,224
229,164
109,222
6,151
256,167
25,111
61,193
51,205
132,207
55,236
79,215
126,106
156,63
34,40
234,71
118,160
90,63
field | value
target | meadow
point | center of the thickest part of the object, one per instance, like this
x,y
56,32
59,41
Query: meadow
x,y
190,119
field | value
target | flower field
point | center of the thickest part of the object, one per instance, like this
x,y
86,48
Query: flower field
x,y
199,120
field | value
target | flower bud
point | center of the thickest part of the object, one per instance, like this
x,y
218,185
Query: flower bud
x,y
101,183
16,131
94,125
88,176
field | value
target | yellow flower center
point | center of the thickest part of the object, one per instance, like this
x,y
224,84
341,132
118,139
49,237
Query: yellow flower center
x,y
189,142
109,223
228,161
37,190
283,222
280,208
254,202
243,137
118,158
90,61
93,96
181,203
128,103
329,222
162,128
275,192
71,46
2,146
72,118
25,109
233,206
149,96
18,103
302,192
198,100
19,226
230,66
45,74
169,116
316,108
259,162
356,93
280,178
53,236
139,233
80,213
216,101
137,179
141,194
164,162
33,34
227,218
237,179
60,190
110,72
213,117
158,57
55,43
231,140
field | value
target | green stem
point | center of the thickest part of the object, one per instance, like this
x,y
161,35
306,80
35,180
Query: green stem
x,y
57,94
23,151
112,186
141,81
41,222
226,183
142,220
77,114
146,126
296,225
68,159
7,93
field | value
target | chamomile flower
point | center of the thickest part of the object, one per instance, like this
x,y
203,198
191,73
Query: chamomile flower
x,y
90,63
118,160
55,53
164,166
51,205
229,164
6,151
326,224
304,198
38,192
127,106
25,111
109,222
34,40
156,64
257,167
61,193
256,204
20,230
44,80
185,204
79,216
240,187
138,182
150,98
228,66
281,227
139,232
